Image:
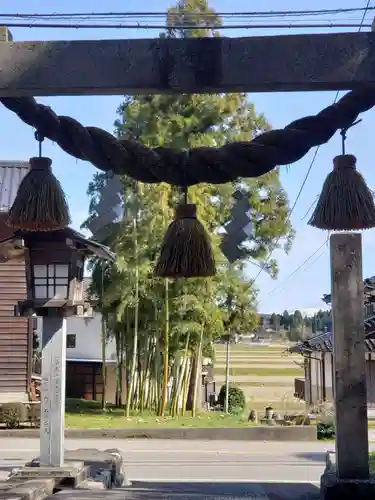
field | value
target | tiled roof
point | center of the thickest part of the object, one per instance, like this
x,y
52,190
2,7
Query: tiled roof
x,y
369,291
323,343
11,175
370,326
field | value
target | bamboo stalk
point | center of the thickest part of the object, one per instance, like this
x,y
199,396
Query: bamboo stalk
x,y
181,374
197,371
129,398
186,384
165,352
104,365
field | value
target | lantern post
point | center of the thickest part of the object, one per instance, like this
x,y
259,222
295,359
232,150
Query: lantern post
x,y
54,275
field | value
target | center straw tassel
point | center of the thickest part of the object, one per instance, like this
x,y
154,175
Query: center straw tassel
x,y
40,204
345,203
186,250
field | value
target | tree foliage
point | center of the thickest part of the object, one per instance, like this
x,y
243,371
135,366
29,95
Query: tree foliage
x,y
299,327
175,322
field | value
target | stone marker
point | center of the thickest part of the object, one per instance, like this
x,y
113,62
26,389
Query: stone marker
x,y
34,489
83,468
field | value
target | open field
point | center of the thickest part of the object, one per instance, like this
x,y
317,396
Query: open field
x,y
257,362
278,349
260,371
265,373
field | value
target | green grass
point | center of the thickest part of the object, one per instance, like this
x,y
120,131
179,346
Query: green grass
x,y
88,415
84,414
372,462
260,372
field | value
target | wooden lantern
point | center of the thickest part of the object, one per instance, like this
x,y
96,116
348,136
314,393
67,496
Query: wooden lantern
x,y
54,271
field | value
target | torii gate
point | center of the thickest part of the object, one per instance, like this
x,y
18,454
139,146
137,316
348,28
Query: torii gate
x,y
321,62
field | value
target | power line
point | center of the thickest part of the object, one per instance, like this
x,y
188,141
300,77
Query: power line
x,y
271,13
365,11
292,208
301,266
183,27
310,207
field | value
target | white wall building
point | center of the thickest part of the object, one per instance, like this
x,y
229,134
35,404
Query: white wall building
x,y
84,359
84,342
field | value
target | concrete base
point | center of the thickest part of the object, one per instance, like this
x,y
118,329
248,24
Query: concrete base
x,y
333,488
28,490
251,433
69,476
82,468
100,463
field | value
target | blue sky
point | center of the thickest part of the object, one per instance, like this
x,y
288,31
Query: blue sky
x,y
304,289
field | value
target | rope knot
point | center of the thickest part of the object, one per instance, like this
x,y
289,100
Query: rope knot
x,y
186,211
344,161
41,163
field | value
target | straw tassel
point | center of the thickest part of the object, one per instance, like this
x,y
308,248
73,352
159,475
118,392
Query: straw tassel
x,y
345,203
186,250
40,204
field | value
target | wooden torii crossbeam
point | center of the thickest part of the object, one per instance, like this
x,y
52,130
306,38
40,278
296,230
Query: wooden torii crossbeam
x,y
342,61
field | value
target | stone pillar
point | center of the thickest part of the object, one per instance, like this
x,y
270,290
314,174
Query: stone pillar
x,y
352,458
349,477
5,34
53,391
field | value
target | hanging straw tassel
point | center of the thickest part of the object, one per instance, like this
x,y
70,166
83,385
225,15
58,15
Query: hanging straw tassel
x,y
40,204
345,202
186,251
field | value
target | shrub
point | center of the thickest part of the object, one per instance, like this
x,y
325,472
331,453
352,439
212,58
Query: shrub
x,y
325,425
236,399
325,430
12,414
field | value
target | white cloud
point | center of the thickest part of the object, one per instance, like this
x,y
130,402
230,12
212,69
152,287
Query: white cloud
x,y
310,311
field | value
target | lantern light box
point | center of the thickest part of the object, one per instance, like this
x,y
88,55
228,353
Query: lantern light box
x,y
54,270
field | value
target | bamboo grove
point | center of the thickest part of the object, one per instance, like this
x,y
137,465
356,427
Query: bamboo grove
x,y
164,328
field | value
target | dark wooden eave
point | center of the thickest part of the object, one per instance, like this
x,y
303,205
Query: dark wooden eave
x,y
323,343
368,292
91,246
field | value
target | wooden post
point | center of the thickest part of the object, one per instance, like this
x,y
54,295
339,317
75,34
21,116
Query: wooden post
x,y
53,391
352,459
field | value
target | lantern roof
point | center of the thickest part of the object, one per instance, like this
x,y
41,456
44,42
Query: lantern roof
x,y
92,247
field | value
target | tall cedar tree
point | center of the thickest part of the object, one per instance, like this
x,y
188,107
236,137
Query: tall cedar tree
x,y
185,315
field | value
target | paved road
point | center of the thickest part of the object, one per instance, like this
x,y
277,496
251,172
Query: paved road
x,y
198,470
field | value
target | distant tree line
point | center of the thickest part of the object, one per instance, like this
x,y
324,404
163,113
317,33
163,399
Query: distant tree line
x,y
296,327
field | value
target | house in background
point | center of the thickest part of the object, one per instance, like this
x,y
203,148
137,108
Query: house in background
x,y
317,386
15,332
84,356
84,360
265,331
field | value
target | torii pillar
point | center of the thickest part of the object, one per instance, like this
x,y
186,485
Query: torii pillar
x,y
349,477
